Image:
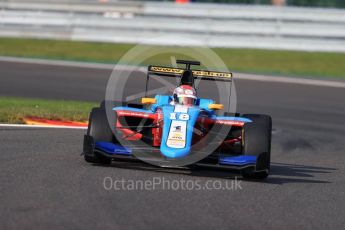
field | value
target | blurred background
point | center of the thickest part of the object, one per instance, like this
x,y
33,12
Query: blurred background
x,y
263,24
309,3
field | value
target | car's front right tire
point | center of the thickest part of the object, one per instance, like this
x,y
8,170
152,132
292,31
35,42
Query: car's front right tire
x,y
100,131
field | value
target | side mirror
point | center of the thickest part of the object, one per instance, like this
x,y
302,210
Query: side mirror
x,y
215,106
148,100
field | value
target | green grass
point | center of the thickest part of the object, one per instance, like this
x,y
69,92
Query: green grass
x,y
290,63
13,110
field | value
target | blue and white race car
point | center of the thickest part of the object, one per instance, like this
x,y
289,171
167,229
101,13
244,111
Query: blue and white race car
x,y
180,130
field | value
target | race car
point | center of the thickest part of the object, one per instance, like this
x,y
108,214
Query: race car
x,y
180,130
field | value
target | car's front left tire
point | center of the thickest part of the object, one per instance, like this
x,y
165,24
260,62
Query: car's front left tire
x,y
256,141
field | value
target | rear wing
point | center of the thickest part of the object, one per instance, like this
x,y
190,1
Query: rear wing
x,y
187,76
198,74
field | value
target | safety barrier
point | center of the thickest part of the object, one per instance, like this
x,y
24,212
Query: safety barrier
x,y
166,23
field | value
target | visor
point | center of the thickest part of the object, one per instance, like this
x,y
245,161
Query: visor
x,y
186,100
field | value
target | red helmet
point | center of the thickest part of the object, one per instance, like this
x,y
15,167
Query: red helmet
x,y
185,95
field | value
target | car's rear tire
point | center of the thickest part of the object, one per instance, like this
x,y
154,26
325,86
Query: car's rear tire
x,y
100,131
256,140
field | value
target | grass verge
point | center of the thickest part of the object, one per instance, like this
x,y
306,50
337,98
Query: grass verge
x,y
14,110
290,63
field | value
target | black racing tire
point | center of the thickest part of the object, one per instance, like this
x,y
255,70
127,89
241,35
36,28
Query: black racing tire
x,y
100,131
256,140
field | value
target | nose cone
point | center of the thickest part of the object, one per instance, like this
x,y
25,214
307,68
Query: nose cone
x,y
178,127
175,153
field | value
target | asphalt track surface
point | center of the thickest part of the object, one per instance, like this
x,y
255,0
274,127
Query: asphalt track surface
x,y
45,184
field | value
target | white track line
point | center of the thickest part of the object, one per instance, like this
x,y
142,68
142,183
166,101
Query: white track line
x,y
41,126
252,77
57,63
291,80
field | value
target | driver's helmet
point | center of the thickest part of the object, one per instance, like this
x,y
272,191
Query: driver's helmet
x,y
184,95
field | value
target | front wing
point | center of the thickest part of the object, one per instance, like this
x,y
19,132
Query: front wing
x,y
118,152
